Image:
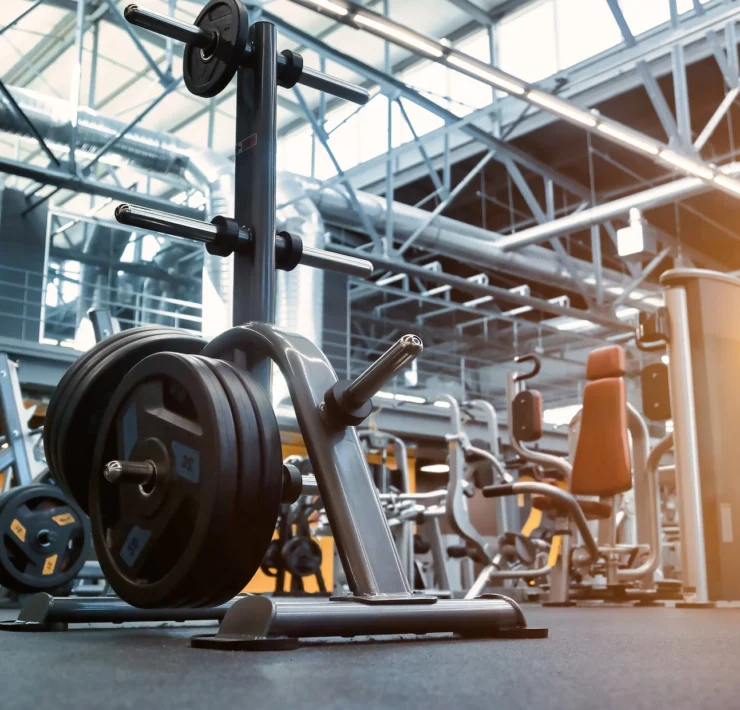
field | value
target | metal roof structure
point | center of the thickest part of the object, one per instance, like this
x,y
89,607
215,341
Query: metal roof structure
x,y
511,139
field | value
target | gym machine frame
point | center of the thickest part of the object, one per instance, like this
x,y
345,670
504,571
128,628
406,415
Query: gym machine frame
x,y
382,601
645,467
19,453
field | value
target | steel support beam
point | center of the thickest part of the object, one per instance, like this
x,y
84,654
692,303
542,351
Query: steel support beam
x,y
396,88
681,99
323,137
67,181
470,8
442,206
20,17
462,284
25,120
422,151
642,277
654,197
128,28
717,116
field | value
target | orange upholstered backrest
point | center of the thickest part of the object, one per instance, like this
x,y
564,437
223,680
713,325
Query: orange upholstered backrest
x,y
602,465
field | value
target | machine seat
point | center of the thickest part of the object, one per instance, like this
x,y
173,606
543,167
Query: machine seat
x,y
592,509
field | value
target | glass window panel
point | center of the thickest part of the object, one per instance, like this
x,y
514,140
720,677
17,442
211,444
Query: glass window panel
x,y
584,30
526,42
642,16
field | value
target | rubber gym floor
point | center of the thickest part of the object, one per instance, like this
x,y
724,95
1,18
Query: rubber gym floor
x,y
626,658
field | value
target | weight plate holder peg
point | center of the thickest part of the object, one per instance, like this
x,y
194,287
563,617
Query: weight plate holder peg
x,y
44,539
83,393
208,71
157,531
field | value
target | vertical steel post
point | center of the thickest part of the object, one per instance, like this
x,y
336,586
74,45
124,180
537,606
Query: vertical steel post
x,y
255,184
597,262
74,100
16,427
681,96
389,187
685,448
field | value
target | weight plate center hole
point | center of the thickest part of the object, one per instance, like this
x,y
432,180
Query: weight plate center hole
x,y
44,538
209,52
148,487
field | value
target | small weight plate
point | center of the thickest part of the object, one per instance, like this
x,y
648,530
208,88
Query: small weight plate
x,y
88,393
44,538
302,556
169,408
208,73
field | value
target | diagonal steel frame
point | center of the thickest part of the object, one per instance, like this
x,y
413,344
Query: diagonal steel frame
x,y
323,137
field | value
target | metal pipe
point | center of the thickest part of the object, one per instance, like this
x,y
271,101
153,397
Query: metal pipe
x,y
648,199
564,497
650,476
450,237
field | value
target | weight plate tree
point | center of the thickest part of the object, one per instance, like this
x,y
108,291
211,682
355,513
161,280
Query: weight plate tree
x,y
44,538
193,529
78,402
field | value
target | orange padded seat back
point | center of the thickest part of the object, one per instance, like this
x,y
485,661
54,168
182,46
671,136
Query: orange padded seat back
x,y
602,465
606,362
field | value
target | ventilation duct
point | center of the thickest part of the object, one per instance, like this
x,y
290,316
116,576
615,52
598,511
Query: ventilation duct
x,y
163,153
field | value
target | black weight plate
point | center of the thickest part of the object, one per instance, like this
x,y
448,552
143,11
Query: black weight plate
x,y
258,492
99,351
207,75
88,390
302,556
263,486
87,396
172,409
44,538
226,569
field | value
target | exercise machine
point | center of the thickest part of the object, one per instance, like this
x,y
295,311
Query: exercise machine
x,y
611,456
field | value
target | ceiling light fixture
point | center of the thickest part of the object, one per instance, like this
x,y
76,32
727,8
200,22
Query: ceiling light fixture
x,y
628,138
486,74
332,7
727,183
687,165
408,38
563,109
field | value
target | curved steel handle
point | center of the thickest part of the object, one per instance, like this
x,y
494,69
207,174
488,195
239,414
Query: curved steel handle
x,y
535,369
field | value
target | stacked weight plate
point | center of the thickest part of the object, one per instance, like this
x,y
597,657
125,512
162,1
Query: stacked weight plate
x,y
194,532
